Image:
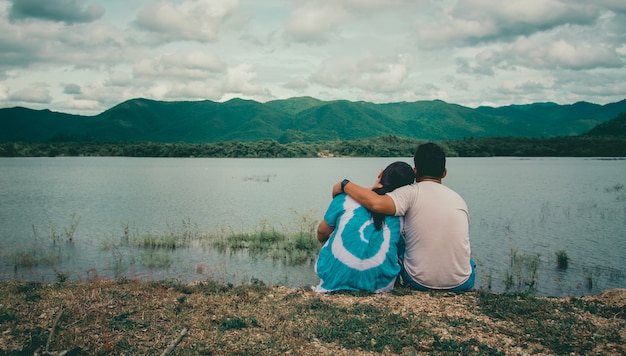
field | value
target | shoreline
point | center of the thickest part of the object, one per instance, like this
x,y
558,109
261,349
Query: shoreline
x,y
144,318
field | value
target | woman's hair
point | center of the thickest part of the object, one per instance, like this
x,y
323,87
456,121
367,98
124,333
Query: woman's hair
x,y
395,175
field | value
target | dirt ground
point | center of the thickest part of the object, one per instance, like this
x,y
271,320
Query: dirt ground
x,y
159,318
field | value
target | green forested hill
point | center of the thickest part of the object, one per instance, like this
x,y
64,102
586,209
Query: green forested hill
x,y
199,121
27,125
445,121
293,106
302,119
571,119
345,120
612,128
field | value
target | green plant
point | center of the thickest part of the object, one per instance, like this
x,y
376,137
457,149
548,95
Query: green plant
x,y
71,230
509,281
119,263
34,257
31,291
588,278
267,237
154,259
54,235
305,242
470,346
523,271
487,280
562,260
159,241
61,277
233,324
129,231
615,188
124,322
292,245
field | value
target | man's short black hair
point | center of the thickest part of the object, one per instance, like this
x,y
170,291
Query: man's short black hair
x,y
430,160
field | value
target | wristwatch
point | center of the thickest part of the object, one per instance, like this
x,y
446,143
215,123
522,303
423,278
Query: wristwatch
x,y
343,185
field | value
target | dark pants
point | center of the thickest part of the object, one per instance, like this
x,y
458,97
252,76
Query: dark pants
x,y
467,285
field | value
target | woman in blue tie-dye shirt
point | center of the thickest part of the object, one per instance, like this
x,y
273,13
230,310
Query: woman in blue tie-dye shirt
x,y
360,248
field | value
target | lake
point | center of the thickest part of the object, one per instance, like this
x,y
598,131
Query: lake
x,y
523,211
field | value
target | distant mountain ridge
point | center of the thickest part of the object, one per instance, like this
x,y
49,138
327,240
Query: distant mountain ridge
x,y
615,128
301,119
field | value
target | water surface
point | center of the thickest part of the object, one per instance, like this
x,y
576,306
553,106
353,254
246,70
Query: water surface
x,y
533,207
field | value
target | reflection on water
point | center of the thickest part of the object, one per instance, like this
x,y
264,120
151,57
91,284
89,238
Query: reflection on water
x,y
523,212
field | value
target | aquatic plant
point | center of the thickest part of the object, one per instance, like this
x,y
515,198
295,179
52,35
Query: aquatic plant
x,y
156,260
33,257
615,188
295,243
523,271
588,278
159,241
69,232
562,260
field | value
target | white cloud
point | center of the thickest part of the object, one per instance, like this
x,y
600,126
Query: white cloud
x,y
37,95
583,55
196,90
472,21
4,93
105,93
120,78
36,45
549,55
180,65
378,50
318,21
315,21
73,105
297,83
369,73
194,60
197,20
240,80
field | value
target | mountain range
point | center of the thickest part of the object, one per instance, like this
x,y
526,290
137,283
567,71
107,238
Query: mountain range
x,y
303,119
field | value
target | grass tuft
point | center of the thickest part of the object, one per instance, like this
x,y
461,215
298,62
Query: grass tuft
x,y
562,260
233,324
522,274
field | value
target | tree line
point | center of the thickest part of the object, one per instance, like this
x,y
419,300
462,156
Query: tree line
x,y
383,146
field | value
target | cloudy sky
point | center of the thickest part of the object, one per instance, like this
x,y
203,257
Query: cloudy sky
x,y
84,56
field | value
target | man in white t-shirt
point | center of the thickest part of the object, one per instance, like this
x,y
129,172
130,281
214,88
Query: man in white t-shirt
x,y
437,248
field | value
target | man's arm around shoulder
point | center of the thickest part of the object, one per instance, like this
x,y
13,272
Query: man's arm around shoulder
x,y
382,204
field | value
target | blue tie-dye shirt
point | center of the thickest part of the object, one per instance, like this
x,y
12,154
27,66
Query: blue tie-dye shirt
x,y
357,256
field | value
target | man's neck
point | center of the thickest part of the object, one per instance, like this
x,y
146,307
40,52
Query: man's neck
x,y
429,179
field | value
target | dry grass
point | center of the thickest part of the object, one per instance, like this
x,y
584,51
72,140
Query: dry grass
x,y
130,318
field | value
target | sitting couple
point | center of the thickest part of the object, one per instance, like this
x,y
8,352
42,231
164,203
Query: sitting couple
x,y
419,230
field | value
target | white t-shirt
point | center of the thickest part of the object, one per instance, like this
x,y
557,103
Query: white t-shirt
x,y
437,253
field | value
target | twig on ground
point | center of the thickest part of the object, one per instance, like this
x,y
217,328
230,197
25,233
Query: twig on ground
x,y
54,326
46,351
175,342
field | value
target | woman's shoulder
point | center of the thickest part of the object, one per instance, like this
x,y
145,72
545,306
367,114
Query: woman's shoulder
x,y
394,222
